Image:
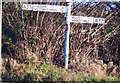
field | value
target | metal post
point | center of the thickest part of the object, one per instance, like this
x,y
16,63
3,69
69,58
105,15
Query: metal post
x,y
67,32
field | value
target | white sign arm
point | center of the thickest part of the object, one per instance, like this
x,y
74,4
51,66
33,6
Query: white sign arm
x,y
84,19
45,8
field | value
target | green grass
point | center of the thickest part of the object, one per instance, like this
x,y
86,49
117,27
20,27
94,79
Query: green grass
x,y
49,72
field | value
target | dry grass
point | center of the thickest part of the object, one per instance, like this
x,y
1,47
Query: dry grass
x,y
31,71
27,34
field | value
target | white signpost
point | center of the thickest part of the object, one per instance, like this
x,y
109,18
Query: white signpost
x,y
44,8
84,19
66,41
69,19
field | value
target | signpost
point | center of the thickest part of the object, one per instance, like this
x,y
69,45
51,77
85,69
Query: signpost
x,y
45,8
75,19
67,32
84,19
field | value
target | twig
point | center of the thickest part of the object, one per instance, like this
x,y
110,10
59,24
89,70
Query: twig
x,y
22,13
42,20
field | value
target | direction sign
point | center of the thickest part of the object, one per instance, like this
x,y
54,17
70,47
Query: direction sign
x,y
69,18
62,9
84,19
45,8
99,20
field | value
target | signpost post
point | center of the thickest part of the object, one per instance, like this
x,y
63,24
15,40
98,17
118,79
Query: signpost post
x,y
67,32
75,19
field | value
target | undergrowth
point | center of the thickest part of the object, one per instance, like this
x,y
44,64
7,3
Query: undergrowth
x,y
32,71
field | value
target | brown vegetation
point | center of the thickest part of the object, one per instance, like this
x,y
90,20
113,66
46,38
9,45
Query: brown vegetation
x,y
40,34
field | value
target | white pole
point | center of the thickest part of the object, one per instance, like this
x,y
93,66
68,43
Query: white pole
x,y
68,19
